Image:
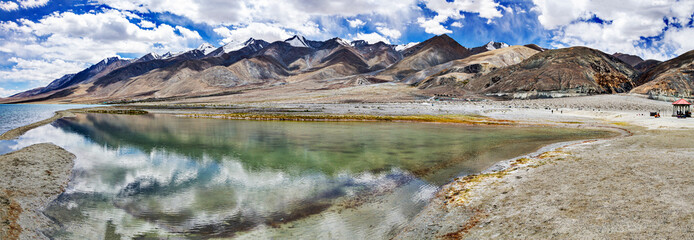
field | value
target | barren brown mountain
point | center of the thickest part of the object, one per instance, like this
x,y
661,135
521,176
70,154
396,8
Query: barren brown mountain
x,y
632,60
556,73
672,78
432,52
455,74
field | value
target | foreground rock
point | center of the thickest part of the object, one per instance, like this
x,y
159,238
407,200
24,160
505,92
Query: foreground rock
x,y
31,178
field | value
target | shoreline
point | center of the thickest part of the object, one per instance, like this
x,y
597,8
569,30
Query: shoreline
x,y
19,131
492,111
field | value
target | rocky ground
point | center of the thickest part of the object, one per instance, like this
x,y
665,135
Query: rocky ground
x,y
31,178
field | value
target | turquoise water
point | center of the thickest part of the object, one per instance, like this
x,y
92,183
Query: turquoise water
x,y
159,176
17,115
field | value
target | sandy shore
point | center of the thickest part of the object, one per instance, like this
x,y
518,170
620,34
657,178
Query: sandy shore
x,y
634,186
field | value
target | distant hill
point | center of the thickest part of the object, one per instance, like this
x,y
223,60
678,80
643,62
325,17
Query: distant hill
x,y
632,60
434,51
460,72
646,65
558,72
672,78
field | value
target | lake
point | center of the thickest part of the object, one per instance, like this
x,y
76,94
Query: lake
x,y
17,115
159,176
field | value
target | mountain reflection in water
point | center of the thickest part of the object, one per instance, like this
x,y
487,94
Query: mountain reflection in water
x,y
159,175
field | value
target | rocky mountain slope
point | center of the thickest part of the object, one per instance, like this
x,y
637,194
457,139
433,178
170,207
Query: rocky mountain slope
x,y
488,47
437,66
95,71
458,73
632,60
646,65
559,72
672,78
432,52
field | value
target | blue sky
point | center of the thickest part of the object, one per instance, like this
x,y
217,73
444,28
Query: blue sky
x,y
41,40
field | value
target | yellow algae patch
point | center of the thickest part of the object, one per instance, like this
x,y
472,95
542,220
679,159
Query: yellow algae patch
x,y
459,191
465,119
620,123
571,122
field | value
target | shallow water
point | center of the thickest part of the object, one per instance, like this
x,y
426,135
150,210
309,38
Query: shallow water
x,y
17,115
164,176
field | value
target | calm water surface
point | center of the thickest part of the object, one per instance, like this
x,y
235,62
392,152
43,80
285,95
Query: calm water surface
x,y
17,115
163,176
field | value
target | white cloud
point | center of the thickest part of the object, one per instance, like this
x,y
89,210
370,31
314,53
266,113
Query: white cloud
x,y
9,6
187,33
33,3
62,43
626,22
8,92
457,24
267,32
356,23
680,40
432,26
147,24
371,38
388,32
40,71
25,4
293,15
446,10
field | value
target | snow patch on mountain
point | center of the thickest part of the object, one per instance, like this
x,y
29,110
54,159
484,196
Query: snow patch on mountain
x,y
495,45
149,57
342,42
297,41
235,46
403,47
359,43
206,48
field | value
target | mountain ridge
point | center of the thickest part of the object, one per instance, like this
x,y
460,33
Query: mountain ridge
x,y
438,65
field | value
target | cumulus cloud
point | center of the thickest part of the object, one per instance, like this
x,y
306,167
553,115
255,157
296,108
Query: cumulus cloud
x,y
264,31
8,92
446,10
388,32
293,15
147,24
623,24
62,43
356,23
432,26
33,3
371,38
9,6
25,4
41,71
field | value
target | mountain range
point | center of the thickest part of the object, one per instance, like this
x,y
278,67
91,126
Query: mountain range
x,y
298,69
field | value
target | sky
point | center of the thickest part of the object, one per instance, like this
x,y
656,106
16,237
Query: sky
x,y
42,40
